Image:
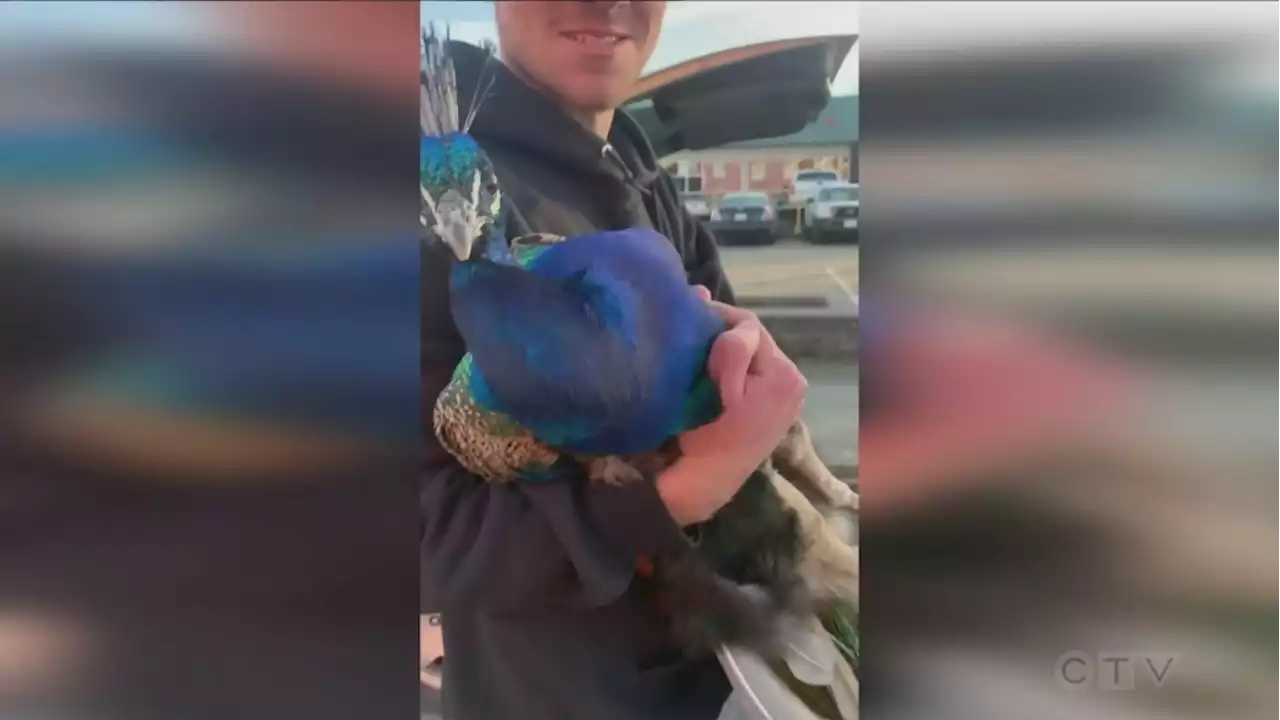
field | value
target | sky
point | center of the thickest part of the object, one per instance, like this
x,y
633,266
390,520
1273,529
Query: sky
x,y
78,20
694,28
699,27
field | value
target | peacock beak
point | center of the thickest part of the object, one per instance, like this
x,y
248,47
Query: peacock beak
x,y
459,238
452,221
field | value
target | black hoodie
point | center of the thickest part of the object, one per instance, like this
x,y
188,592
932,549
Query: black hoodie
x,y
535,583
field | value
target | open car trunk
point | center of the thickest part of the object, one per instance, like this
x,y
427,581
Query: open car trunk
x,y
748,93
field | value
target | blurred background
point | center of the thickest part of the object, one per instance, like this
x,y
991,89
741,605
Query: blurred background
x,y
209,315
1067,357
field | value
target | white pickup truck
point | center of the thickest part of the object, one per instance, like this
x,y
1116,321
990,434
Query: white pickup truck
x,y
809,182
832,214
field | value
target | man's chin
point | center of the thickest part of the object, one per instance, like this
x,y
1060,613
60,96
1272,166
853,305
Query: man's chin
x,y
596,97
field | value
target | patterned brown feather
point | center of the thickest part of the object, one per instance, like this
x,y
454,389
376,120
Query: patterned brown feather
x,y
486,443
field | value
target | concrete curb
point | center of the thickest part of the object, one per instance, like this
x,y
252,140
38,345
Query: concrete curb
x,y
808,327
760,302
814,335
847,473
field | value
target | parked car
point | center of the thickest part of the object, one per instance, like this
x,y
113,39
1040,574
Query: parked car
x,y
698,205
833,214
809,182
745,219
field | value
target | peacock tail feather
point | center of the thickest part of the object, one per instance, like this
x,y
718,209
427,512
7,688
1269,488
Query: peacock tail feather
x,y
817,698
840,619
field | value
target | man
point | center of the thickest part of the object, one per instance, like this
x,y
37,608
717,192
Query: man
x,y
535,582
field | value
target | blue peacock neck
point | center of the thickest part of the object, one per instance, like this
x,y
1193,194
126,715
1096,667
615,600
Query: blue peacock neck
x,y
494,250
497,249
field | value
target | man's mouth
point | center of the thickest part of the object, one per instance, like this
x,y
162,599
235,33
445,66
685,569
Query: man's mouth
x,y
596,39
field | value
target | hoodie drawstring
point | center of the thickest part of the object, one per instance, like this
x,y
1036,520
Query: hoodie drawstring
x,y
648,196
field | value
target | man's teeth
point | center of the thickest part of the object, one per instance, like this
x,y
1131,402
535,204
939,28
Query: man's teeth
x,y
585,38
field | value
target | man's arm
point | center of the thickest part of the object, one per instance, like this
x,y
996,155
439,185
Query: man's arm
x,y
510,546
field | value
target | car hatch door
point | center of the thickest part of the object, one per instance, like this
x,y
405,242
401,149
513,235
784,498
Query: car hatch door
x,y
759,91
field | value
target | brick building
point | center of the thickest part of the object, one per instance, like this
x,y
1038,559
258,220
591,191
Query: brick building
x,y
770,165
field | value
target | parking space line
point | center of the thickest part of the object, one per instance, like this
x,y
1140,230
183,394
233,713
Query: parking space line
x,y
844,286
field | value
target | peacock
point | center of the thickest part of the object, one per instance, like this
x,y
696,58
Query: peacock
x,y
586,357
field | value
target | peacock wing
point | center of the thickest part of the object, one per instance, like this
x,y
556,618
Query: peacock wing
x,y
811,653
767,691
485,442
821,661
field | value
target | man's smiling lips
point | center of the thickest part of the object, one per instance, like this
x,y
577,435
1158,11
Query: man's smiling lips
x,y
596,39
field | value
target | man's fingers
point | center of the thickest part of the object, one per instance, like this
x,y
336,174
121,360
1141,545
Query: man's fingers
x,y
730,358
702,292
734,316
768,354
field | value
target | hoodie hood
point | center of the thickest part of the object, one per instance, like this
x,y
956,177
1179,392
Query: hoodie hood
x,y
544,128
524,127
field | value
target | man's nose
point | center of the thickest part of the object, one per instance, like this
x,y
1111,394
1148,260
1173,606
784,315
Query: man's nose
x,y
609,7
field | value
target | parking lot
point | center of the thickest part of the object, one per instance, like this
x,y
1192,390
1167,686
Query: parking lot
x,y
792,268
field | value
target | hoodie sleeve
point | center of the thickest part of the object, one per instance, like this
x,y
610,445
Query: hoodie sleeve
x,y
698,247
702,257
504,547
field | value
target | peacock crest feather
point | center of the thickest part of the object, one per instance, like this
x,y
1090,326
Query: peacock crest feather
x,y
459,187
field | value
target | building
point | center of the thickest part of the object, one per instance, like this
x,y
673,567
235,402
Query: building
x,y
770,165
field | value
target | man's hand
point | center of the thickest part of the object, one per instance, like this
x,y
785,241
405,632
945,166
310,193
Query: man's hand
x,y
762,392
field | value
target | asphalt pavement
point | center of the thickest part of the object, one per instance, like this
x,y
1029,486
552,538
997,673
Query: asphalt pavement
x,y
792,268
831,412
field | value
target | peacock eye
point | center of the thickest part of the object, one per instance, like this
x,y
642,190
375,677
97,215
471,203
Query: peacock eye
x,y
491,188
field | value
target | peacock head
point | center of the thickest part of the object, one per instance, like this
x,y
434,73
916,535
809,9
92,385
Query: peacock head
x,y
462,204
